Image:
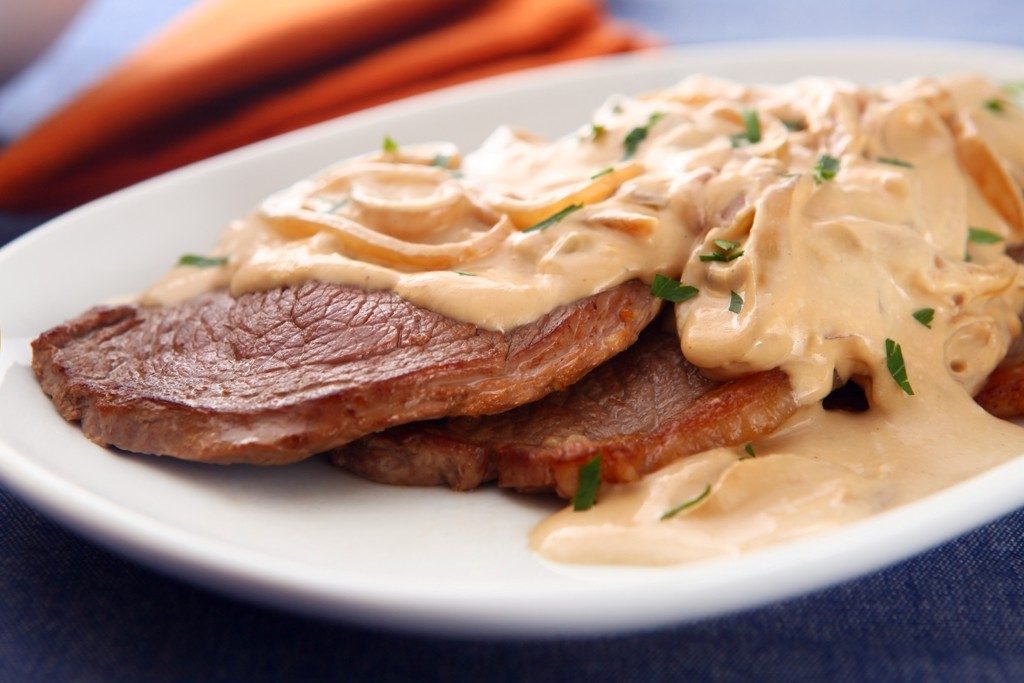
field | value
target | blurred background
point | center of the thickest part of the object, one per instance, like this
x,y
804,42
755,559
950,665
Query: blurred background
x,y
99,94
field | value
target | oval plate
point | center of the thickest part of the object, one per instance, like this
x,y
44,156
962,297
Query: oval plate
x,y
313,539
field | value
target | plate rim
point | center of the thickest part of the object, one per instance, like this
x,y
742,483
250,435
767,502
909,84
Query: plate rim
x,y
299,588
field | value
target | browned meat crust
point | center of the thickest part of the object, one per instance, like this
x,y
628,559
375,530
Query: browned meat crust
x,y
273,377
640,411
1003,392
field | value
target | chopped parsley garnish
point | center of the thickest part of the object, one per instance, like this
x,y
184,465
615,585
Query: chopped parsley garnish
x,y
925,316
751,129
389,146
749,449
826,168
897,367
587,485
725,251
672,290
982,236
597,131
639,134
735,302
752,124
603,171
202,261
688,504
894,162
794,125
462,272
995,104
633,140
617,108
553,218
335,205
441,161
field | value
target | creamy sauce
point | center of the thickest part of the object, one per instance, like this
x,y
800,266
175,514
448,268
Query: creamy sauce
x,y
831,268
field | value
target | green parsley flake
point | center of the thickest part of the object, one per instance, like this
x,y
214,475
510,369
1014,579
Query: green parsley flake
x,y
597,131
462,272
202,261
897,367
826,168
982,236
752,124
587,485
725,251
925,316
633,140
441,161
672,290
688,504
553,218
794,125
389,146
995,104
639,134
602,172
735,302
338,205
894,162
334,203
749,449
751,129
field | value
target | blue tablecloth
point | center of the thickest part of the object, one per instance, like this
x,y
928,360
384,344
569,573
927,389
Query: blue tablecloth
x,y
72,611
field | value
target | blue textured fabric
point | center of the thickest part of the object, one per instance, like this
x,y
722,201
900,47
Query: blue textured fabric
x,y
72,611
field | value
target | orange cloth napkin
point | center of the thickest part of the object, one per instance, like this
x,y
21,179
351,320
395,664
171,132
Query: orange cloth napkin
x,y
231,72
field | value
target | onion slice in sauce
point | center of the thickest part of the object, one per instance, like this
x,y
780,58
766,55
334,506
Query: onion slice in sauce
x,y
994,182
288,214
525,213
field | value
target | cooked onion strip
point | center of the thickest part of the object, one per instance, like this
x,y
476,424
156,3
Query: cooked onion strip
x,y
289,214
628,222
994,182
385,250
525,213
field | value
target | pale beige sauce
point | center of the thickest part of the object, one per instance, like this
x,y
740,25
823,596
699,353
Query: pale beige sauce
x,y
830,270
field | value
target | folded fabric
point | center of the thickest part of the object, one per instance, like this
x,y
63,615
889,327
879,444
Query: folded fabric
x,y
231,72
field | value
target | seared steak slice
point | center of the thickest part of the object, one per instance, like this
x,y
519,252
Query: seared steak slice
x,y
272,377
1003,392
640,411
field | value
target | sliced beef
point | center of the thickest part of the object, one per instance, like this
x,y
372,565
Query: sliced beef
x,y
1003,392
272,377
640,411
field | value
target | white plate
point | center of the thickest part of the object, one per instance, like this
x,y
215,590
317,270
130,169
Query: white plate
x,y
313,539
